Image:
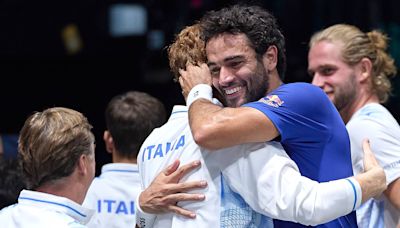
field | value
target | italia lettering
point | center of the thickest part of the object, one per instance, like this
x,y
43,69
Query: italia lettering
x,y
116,207
160,150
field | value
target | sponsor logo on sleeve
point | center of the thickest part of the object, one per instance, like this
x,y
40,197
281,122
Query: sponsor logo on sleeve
x,y
272,100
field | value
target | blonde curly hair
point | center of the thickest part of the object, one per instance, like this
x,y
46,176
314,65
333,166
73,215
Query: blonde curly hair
x,y
188,47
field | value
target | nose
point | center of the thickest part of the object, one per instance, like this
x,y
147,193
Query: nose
x,y
318,80
225,76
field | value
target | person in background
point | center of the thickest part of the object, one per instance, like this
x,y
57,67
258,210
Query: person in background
x,y
354,70
9,146
11,181
130,117
56,153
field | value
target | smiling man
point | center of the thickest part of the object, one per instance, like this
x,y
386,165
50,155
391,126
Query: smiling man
x,y
353,68
246,58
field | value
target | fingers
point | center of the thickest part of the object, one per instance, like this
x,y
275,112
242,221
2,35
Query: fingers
x,y
185,169
182,72
194,75
172,168
369,157
184,87
184,197
165,191
181,211
169,189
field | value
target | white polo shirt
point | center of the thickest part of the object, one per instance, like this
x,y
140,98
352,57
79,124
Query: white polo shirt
x,y
112,195
262,173
374,121
163,146
42,210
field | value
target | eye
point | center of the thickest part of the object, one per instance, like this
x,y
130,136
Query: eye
x,y
327,71
214,70
235,64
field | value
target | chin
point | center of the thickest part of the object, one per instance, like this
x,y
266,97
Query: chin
x,y
232,104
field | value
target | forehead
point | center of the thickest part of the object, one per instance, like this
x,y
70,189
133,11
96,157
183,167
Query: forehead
x,y
228,44
325,52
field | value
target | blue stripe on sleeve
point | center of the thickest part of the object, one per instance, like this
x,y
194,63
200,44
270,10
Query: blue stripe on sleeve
x,y
355,193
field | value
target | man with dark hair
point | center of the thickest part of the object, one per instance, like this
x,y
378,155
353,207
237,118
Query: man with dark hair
x,y
246,64
56,152
260,174
130,117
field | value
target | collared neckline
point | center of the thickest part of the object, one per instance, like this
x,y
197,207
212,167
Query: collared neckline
x,y
120,167
179,111
56,203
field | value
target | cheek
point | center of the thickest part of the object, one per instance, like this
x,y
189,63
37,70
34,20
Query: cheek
x,y
336,83
327,81
215,82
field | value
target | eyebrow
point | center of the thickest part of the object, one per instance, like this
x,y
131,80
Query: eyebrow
x,y
227,59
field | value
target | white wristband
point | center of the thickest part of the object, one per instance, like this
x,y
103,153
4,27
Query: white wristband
x,y
197,92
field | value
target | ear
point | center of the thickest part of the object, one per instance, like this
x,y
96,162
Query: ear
x,y
108,140
270,58
83,164
365,69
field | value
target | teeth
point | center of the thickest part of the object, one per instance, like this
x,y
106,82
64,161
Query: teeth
x,y
233,90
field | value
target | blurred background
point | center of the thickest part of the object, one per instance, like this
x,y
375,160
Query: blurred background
x,y
80,53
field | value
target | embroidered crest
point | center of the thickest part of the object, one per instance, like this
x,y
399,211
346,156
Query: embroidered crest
x,y
272,100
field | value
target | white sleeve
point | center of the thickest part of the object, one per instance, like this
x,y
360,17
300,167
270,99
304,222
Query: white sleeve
x,y
143,219
271,184
207,211
384,137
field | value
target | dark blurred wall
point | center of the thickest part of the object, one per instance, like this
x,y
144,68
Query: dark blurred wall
x,y
39,70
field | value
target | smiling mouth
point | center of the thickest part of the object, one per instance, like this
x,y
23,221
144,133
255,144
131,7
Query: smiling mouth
x,y
233,90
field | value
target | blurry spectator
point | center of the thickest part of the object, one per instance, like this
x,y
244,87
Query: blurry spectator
x,y
9,145
11,182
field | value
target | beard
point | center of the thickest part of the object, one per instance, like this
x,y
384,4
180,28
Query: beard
x,y
345,94
258,85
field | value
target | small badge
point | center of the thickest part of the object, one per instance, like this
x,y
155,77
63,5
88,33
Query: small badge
x,y
272,100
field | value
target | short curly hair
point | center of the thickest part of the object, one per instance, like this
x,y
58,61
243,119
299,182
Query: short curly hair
x,y
188,47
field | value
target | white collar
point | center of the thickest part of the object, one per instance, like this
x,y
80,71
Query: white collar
x,y
56,203
120,167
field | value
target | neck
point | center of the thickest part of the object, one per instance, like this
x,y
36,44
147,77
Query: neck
x,y
63,188
117,158
359,102
274,81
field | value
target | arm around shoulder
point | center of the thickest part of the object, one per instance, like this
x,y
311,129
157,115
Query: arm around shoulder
x,y
214,127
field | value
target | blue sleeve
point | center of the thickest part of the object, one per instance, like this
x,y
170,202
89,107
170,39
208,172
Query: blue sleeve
x,y
298,111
